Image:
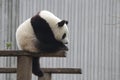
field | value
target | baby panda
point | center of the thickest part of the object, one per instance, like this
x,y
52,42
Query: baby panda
x,y
43,32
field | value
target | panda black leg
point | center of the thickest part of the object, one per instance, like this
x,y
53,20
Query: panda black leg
x,y
36,67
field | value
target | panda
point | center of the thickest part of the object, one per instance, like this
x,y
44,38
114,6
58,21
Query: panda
x,y
44,32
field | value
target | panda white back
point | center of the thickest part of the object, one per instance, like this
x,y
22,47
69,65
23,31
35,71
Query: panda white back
x,y
25,37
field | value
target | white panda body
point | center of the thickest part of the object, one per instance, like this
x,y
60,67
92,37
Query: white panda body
x,y
26,38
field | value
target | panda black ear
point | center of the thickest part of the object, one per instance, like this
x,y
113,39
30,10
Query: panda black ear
x,y
66,22
61,23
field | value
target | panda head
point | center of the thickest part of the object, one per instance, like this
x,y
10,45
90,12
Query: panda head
x,y
62,28
58,26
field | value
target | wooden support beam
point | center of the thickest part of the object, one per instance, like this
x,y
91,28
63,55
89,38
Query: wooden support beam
x,y
24,68
8,70
62,70
8,53
47,70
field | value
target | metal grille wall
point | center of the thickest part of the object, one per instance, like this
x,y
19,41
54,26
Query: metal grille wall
x,y
94,27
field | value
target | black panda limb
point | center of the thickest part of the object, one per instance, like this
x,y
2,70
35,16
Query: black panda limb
x,y
36,67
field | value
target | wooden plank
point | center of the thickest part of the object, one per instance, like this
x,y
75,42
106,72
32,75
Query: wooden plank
x,y
24,69
47,76
8,70
61,53
62,70
47,70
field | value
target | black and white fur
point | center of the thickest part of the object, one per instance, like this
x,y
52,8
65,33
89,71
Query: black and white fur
x,y
44,32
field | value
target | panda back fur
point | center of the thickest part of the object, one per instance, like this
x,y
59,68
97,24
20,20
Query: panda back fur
x,y
25,37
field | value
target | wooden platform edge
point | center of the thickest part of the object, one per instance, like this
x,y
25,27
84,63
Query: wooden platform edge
x,y
47,70
61,53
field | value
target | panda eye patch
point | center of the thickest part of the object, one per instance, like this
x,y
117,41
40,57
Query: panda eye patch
x,y
64,36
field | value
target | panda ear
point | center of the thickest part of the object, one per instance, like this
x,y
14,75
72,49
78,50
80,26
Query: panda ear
x,y
61,23
66,22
